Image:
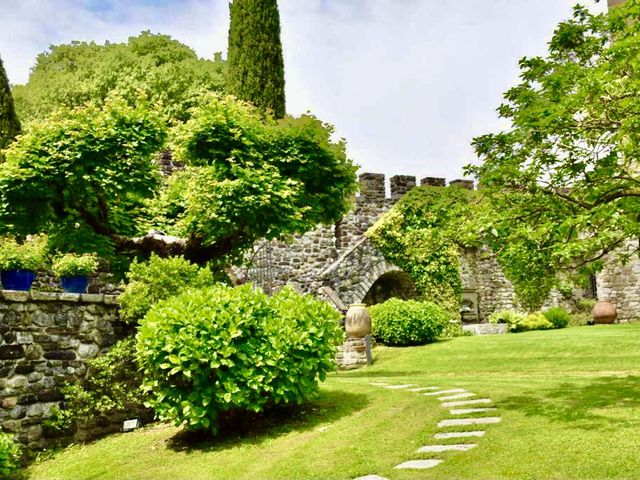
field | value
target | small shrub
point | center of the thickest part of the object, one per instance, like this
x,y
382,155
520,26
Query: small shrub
x,y
533,321
9,456
407,322
112,385
209,354
510,317
156,280
72,265
30,255
558,316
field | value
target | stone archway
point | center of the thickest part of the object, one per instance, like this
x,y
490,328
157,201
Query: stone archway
x,y
393,284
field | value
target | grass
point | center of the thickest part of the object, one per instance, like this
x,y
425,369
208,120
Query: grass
x,y
569,401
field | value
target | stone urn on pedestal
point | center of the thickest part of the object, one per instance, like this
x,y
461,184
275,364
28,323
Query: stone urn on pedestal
x,y
604,312
357,323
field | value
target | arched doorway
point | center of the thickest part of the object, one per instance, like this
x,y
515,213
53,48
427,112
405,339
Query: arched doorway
x,y
393,284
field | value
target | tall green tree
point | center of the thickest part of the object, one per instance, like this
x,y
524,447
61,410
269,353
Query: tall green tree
x,y
563,183
9,123
255,62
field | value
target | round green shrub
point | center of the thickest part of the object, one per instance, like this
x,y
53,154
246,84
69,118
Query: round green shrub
x,y
558,316
9,456
510,317
156,280
532,321
72,265
215,352
407,322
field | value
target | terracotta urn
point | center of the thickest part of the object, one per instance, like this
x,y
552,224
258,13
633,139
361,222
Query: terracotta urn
x,y
357,322
604,312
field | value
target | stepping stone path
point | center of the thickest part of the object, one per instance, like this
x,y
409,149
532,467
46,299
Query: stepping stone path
x,y
419,464
461,447
468,421
477,433
466,402
465,411
452,397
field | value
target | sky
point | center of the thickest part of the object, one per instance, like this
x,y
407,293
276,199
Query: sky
x,y
407,83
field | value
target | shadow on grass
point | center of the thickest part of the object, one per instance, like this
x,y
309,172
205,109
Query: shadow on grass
x,y
254,429
605,403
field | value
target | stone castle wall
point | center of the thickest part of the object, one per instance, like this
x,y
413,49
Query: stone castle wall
x,y
45,341
339,257
620,284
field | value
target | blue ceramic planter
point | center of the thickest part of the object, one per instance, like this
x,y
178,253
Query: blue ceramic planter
x,y
17,279
77,284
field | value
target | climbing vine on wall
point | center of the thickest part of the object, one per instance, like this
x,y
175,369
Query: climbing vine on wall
x,y
423,234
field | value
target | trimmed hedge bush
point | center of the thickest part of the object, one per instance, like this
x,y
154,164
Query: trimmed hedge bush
x,y
407,322
521,322
9,457
558,316
218,351
156,280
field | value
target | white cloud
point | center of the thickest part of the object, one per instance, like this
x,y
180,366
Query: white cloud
x,y
408,83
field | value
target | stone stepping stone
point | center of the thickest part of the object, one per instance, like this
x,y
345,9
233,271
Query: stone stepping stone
x,y
378,384
371,477
461,447
398,387
419,464
442,392
457,396
422,389
464,411
468,421
466,402
442,436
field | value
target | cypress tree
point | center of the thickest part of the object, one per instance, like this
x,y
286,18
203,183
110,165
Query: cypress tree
x,y
255,64
9,123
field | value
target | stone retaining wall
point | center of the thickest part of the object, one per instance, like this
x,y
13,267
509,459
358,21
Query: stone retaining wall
x,y
46,340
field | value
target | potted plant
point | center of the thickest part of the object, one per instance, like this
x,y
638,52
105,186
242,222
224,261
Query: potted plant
x,y
74,270
19,261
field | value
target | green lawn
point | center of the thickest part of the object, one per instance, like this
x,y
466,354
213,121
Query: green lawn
x,y
569,401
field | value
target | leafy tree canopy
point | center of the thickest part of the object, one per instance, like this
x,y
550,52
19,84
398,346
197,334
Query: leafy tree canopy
x,y
563,183
87,175
149,66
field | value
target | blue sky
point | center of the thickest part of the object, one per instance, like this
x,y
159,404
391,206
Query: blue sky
x,y
408,83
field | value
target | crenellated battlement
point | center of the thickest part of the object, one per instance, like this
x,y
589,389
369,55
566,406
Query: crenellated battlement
x,y
373,185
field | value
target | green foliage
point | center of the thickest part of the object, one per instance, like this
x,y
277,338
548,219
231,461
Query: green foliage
x,y
153,67
112,385
29,255
562,182
213,352
255,62
9,456
249,177
156,280
407,322
521,322
60,423
422,234
9,123
88,168
558,316
72,265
